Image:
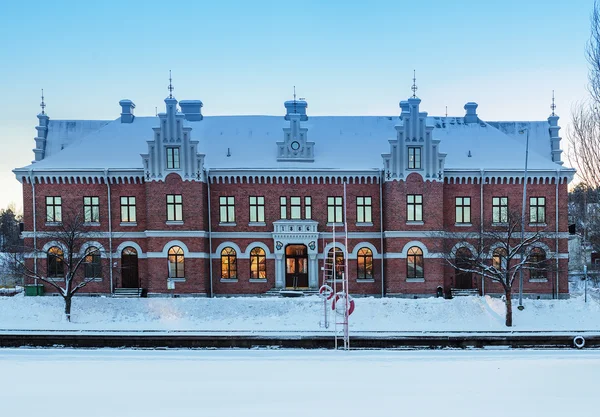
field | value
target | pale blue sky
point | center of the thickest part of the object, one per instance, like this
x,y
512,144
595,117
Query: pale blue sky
x,y
243,57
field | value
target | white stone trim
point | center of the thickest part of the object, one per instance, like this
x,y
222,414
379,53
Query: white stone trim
x,y
52,243
123,245
238,252
86,245
258,245
360,245
417,244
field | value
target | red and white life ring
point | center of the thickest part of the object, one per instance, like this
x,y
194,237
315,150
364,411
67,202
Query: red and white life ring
x,y
341,296
326,291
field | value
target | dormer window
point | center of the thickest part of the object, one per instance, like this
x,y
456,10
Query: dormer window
x,y
172,158
414,157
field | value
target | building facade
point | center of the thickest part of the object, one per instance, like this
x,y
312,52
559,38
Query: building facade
x,y
217,205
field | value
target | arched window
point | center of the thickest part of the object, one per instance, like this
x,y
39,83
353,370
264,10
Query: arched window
x,y
499,259
364,258
92,263
176,262
56,262
339,262
414,263
537,261
228,263
258,264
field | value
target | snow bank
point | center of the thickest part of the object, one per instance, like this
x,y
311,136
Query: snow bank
x,y
295,314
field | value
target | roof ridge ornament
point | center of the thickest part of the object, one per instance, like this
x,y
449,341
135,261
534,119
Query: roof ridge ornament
x,y
42,104
553,105
414,87
170,87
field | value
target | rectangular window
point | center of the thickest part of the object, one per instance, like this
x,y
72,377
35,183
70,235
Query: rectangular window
x,y
463,209
295,208
227,209
334,210
537,209
257,209
414,157
414,208
174,207
499,209
363,210
172,158
307,208
283,207
53,209
91,209
128,209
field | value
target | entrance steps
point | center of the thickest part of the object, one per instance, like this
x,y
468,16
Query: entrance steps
x,y
276,292
128,292
457,292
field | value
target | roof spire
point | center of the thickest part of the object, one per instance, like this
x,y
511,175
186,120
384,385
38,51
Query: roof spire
x,y
170,87
446,111
42,104
414,87
553,106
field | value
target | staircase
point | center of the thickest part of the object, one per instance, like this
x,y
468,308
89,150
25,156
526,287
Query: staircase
x,y
276,292
457,292
128,292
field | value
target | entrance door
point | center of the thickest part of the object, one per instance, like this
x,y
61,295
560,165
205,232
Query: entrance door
x,y
129,268
296,266
463,280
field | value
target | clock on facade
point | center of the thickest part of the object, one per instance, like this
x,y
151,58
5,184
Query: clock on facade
x,y
295,145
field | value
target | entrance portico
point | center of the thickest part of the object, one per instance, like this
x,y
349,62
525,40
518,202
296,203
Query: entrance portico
x,y
291,233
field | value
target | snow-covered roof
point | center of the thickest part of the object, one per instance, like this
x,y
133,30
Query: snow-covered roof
x,y
341,143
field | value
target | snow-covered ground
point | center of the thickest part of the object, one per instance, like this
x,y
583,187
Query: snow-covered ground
x,y
269,383
296,314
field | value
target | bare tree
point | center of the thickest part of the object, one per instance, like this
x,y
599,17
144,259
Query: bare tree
x,y
62,266
498,253
584,133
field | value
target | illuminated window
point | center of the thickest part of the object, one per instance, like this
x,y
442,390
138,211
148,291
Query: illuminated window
x,y
228,263
92,263
499,260
56,263
414,263
258,264
176,262
365,263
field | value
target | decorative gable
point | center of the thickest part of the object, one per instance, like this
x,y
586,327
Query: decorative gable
x,y
172,149
295,146
414,149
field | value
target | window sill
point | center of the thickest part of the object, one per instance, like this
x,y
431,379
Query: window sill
x,y
229,280
538,225
364,280
92,224
336,224
56,279
538,280
257,224
463,224
98,279
414,223
128,224
178,279
53,223
415,279
174,222
227,224
501,224
258,280
364,224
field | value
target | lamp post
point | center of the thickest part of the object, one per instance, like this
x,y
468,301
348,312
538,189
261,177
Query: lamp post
x,y
521,306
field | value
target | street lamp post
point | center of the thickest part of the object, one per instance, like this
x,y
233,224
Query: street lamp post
x,y
521,306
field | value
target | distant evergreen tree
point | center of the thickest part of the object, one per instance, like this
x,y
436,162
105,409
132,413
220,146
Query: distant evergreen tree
x,y
9,230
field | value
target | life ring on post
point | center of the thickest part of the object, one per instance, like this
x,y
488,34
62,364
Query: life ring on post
x,y
341,296
579,341
326,291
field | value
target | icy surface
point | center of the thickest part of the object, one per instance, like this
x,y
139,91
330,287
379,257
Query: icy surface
x,y
272,314
294,383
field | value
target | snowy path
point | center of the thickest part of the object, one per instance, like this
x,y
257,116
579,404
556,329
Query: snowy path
x,y
298,383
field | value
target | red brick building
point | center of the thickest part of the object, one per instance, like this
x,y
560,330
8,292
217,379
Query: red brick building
x,y
245,204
